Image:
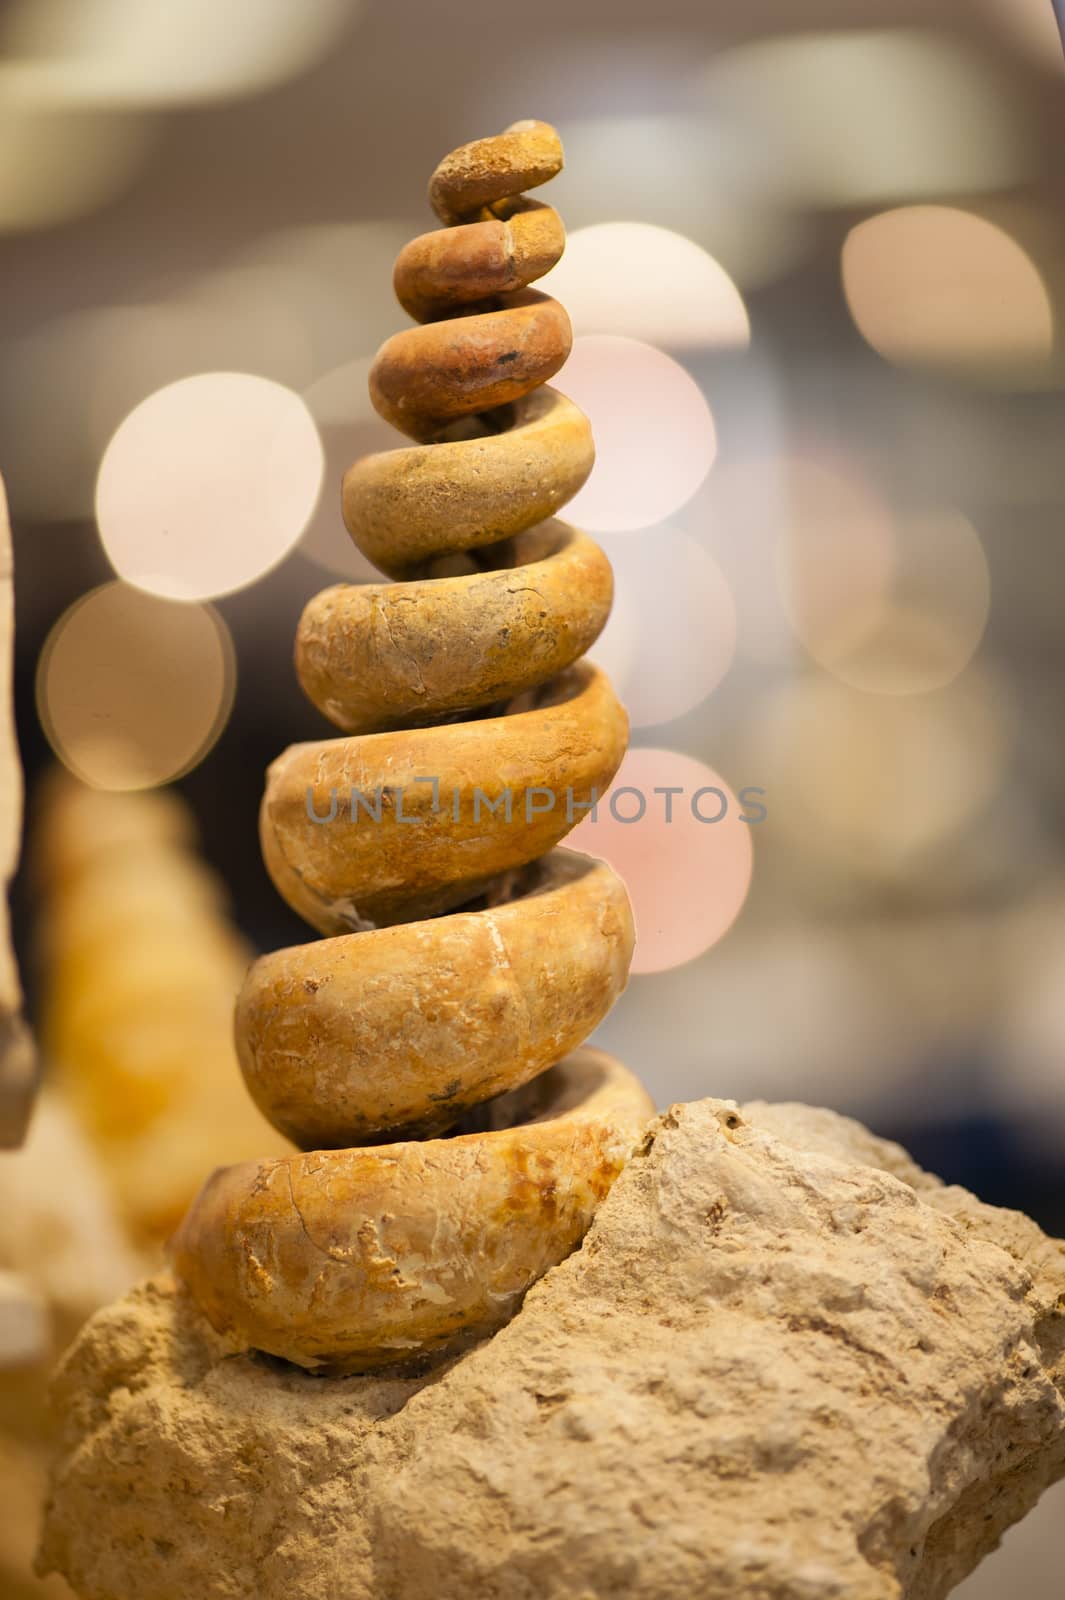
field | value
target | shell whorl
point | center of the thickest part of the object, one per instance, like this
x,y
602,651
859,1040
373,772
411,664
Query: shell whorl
x,y
465,955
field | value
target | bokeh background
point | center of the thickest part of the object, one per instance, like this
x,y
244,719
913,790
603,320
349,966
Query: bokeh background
x,y
816,272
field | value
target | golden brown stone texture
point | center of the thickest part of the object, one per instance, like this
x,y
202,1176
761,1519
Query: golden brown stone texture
x,y
344,1260
465,957
371,1034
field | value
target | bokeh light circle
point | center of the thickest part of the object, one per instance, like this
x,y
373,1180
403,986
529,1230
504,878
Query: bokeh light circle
x,y
866,115
834,552
1033,25
56,163
654,435
745,503
134,690
722,191
687,878
671,636
611,281
875,783
349,428
208,484
889,604
937,286
154,54
282,309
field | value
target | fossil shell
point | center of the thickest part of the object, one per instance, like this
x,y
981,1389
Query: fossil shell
x,y
345,1259
466,957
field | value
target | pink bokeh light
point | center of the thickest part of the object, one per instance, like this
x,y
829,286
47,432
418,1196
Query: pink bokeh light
x,y
687,877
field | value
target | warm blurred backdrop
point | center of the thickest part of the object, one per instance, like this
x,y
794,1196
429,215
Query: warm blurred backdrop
x,y
817,273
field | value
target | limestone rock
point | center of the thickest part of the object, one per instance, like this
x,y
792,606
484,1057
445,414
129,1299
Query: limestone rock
x,y
784,1365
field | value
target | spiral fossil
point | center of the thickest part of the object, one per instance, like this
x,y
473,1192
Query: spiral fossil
x,y
424,1053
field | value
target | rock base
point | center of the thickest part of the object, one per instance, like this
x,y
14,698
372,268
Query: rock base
x,y
784,1365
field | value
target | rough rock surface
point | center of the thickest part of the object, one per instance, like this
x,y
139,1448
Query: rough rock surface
x,y
784,1365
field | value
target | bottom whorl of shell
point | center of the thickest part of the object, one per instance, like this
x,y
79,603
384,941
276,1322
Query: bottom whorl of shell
x,y
343,1260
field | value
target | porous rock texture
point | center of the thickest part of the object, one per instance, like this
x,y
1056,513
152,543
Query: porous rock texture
x,y
784,1365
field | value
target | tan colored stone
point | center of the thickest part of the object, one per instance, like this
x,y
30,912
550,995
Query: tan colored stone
x,y
523,156
403,507
400,1031
425,378
784,1365
439,272
376,656
423,857
342,1260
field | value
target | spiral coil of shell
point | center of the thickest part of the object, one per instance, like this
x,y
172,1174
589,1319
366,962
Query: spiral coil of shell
x,y
424,1053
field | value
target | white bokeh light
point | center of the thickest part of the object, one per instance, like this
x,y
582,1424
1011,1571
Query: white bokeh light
x,y
938,286
721,192
290,307
834,544
687,859
872,114
339,285
611,280
654,434
207,484
57,164
873,784
671,636
156,53
349,428
897,605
